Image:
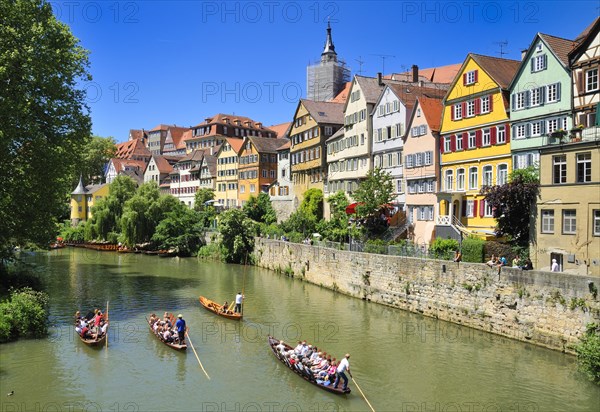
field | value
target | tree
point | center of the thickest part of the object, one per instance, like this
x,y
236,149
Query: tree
x,y
180,230
237,235
336,228
373,193
513,204
259,209
96,154
106,214
206,212
312,203
588,353
141,215
44,120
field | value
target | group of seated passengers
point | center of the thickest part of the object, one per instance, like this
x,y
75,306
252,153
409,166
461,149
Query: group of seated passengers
x,y
164,329
310,362
225,309
93,328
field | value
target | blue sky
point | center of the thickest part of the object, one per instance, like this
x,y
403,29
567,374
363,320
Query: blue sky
x,y
178,62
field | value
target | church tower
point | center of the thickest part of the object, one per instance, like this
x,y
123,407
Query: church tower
x,y
327,78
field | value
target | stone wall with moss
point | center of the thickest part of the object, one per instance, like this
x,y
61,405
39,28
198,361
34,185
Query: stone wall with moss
x,y
543,308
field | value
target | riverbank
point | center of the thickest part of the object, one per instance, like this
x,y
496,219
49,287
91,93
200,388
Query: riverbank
x,y
543,308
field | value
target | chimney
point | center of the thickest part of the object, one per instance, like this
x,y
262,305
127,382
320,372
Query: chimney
x,y
523,53
379,80
415,73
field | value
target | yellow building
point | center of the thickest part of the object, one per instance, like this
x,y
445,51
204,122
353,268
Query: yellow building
x,y
83,198
227,172
314,122
474,145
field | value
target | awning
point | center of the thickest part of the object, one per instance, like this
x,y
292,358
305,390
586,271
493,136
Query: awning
x,y
351,209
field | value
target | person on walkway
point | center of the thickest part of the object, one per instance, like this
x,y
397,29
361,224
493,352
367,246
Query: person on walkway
x,y
528,265
180,325
238,302
457,256
340,372
554,267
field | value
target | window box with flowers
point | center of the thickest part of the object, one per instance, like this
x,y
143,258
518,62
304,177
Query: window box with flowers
x,y
559,134
576,133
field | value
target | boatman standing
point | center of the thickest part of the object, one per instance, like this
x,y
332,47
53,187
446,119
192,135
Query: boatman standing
x,y
180,325
238,302
343,367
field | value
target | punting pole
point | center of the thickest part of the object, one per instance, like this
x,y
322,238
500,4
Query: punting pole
x,y
361,392
195,353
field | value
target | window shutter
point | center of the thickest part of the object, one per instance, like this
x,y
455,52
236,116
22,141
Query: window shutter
x,y
507,129
580,88
558,91
442,144
464,208
464,79
542,94
478,106
513,101
474,208
545,61
491,100
464,109
527,99
478,138
532,64
453,143
476,75
452,112
465,140
493,135
481,208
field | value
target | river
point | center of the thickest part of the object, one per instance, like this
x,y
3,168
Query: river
x,y
401,361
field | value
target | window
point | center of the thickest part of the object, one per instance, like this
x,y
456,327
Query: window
x,y
596,223
242,188
473,178
458,111
428,158
460,179
486,138
500,135
447,141
538,63
553,93
559,169
535,128
470,108
470,77
502,178
472,140
488,211
520,131
591,80
535,96
552,125
519,101
569,224
485,104
547,221
448,180
399,187
459,142
487,176
470,208
584,167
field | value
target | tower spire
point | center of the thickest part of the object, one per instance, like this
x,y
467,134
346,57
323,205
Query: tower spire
x,y
329,50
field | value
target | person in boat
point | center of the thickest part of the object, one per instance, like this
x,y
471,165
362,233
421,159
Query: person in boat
x,y
153,319
298,348
97,320
180,326
238,302
225,307
85,332
342,368
103,328
304,349
280,347
167,335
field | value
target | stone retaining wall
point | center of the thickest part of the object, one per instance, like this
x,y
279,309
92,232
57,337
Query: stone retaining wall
x,y
543,308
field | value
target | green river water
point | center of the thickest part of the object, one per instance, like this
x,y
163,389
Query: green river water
x,y
402,361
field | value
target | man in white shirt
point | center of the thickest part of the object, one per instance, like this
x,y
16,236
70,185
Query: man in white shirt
x,y
280,347
343,367
238,302
554,267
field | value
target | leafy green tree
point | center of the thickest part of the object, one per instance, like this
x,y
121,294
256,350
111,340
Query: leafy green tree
x,y
95,155
336,228
513,204
106,214
141,214
206,212
259,209
25,314
588,353
372,194
312,204
44,120
237,235
180,230
301,221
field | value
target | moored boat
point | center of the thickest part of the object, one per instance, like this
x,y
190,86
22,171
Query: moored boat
x,y
307,377
167,253
173,345
218,309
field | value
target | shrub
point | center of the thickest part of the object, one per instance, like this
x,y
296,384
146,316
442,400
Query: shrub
x,y
375,246
443,248
472,250
588,353
211,251
24,315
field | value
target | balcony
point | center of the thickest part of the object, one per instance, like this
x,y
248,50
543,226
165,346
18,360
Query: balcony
x,y
576,134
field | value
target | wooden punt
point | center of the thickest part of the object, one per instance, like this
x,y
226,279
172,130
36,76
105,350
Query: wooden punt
x,y
167,253
274,342
218,309
175,346
92,342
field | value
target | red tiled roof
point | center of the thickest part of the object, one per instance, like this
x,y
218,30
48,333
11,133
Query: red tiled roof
x,y
281,129
128,149
408,93
585,37
235,143
162,164
325,112
343,95
502,71
432,109
266,144
287,145
137,134
121,164
561,47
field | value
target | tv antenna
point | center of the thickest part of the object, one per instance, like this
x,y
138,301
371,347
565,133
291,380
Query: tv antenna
x,y
360,63
502,45
383,57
